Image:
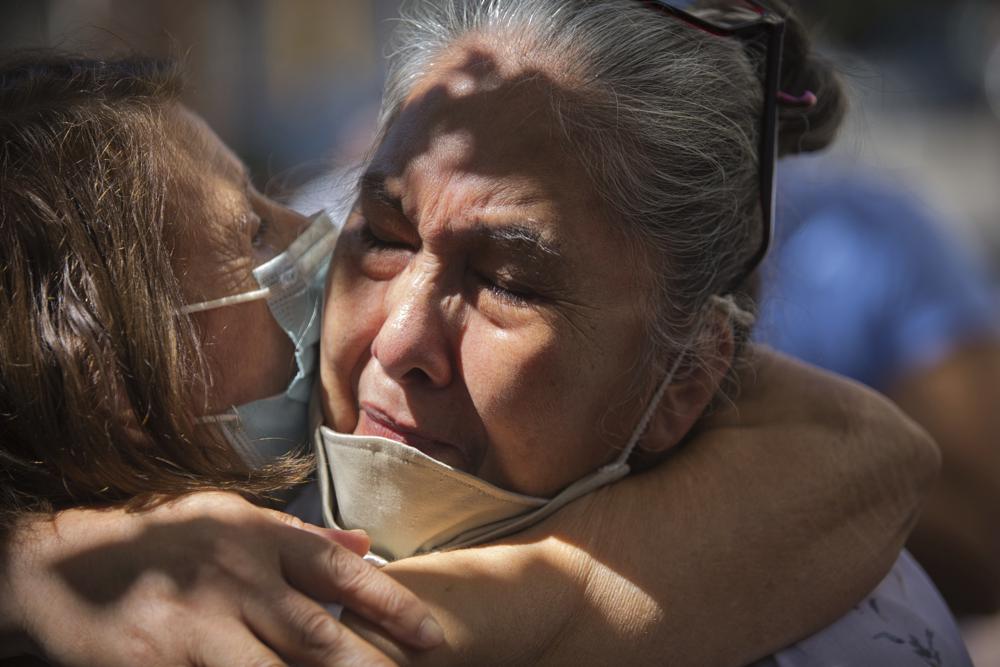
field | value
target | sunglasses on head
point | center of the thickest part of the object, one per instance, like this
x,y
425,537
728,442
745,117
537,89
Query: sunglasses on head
x,y
762,32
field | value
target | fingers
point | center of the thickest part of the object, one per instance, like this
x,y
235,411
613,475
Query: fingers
x,y
355,540
305,633
331,573
230,643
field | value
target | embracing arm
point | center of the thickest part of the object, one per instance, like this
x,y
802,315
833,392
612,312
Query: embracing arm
x,y
772,522
768,525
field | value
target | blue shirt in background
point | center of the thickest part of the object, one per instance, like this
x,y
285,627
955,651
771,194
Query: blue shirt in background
x,y
863,280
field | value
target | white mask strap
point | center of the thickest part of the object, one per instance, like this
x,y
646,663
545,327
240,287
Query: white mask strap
x,y
255,295
217,419
647,416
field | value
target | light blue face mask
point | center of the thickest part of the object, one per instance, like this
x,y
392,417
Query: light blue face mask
x,y
292,283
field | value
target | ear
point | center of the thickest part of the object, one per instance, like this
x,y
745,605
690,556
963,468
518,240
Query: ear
x,y
685,401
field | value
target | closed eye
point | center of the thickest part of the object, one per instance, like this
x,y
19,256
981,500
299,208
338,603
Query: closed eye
x,y
508,294
375,241
263,226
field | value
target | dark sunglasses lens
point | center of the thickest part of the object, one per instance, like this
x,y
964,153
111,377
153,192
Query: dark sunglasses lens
x,y
728,15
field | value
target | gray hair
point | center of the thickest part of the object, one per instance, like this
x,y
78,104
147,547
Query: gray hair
x,y
664,117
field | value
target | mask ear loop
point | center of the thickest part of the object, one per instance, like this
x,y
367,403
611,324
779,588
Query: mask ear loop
x,y
310,249
647,416
734,312
255,295
225,418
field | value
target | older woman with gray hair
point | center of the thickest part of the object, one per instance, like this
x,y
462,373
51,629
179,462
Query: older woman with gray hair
x,y
544,282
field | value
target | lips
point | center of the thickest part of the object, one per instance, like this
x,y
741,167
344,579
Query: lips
x,y
373,421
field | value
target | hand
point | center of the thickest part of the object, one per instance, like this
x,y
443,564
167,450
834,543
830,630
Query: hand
x,y
208,579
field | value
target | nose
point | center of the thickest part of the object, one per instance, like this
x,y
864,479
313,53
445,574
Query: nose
x,y
413,344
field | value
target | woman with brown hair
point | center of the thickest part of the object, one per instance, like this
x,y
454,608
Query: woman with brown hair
x,y
119,209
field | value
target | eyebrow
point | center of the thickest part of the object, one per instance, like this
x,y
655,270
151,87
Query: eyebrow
x,y
525,249
514,238
519,238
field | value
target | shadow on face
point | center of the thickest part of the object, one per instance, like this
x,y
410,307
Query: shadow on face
x,y
483,307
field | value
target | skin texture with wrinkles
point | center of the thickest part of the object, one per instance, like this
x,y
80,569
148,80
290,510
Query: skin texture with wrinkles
x,y
422,325
736,558
448,329
558,594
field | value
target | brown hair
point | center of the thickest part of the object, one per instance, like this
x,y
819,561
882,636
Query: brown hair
x,y
100,381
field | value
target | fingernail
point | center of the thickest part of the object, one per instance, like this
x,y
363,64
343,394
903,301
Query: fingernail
x,y
358,532
430,633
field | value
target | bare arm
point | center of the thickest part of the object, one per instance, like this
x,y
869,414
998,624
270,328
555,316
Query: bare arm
x,y
779,515
958,536
737,532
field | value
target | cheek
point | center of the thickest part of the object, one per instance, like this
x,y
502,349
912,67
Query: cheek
x,y
527,387
352,317
508,372
553,407
232,336
543,372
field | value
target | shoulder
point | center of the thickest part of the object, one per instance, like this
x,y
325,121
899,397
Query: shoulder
x,y
902,622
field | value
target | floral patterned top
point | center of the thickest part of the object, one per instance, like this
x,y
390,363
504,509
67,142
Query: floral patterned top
x,y
904,622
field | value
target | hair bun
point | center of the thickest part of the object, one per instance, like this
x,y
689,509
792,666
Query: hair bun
x,y
806,127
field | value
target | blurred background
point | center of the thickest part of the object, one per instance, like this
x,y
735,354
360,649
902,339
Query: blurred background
x,y
293,86
286,84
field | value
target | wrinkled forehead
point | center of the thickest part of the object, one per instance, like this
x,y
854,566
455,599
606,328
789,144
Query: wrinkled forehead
x,y
480,113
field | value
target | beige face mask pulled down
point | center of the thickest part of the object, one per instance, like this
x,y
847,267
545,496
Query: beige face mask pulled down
x,y
410,503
